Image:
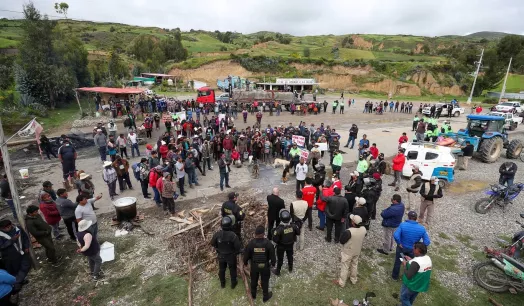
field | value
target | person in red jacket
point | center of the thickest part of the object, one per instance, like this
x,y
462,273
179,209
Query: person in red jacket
x,y
402,139
227,145
235,156
308,194
398,163
163,150
321,205
336,183
148,125
51,214
374,151
154,175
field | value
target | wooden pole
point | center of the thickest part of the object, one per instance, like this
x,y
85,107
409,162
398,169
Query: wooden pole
x,y
14,192
246,284
79,105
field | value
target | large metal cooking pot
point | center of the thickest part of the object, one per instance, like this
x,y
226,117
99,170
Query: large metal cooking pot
x,y
125,208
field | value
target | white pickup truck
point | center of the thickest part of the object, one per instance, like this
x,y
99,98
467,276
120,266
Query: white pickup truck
x,y
512,121
457,110
509,107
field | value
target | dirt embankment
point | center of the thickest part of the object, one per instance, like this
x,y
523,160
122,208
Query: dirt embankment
x,y
361,43
336,77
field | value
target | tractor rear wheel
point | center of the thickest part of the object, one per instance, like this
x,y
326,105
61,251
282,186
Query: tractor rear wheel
x,y
514,149
490,149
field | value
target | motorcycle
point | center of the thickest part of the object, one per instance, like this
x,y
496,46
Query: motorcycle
x,y
498,195
503,271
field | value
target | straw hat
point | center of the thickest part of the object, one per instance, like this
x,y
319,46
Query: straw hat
x,y
83,176
107,163
84,225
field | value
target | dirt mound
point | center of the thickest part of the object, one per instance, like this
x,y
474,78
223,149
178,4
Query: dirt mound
x,y
211,72
418,48
361,43
260,46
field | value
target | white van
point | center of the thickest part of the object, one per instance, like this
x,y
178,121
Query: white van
x,y
432,160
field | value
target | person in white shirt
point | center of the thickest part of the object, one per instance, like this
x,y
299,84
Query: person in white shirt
x,y
122,145
132,138
180,175
112,128
301,172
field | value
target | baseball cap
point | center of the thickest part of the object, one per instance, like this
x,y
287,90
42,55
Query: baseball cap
x,y
412,214
31,209
260,230
355,218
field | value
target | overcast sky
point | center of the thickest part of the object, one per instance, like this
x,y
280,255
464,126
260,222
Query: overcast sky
x,y
300,17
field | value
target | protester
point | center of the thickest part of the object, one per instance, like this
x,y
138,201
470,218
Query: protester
x,y
143,173
154,174
51,214
67,212
180,174
67,156
352,240
299,209
408,232
167,192
325,192
101,142
417,274
86,212
391,219
14,249
121,165
429,191
398,164
507,173
109,175
223,166
89,246
413,189
467,154
39,229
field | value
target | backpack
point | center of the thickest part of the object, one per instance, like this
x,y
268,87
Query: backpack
x,y
136,170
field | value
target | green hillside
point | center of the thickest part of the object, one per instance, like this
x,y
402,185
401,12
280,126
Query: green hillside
x,y
514,84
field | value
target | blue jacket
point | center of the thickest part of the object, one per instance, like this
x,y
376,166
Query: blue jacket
x,y
409,232
392,216
6,283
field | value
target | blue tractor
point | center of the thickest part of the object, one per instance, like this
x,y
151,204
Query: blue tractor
x,y
488,135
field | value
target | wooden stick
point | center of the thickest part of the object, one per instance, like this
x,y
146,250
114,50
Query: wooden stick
x,y
201,228
195,225
246,285
492,301
189,288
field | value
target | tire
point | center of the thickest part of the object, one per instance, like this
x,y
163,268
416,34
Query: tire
x,y
485,273
483,205
456,114
490,149
514,149
442,183
522,157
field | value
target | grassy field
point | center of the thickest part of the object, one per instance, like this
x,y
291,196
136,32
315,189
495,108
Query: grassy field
x,y
514,84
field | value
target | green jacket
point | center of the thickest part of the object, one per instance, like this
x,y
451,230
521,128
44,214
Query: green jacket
x,y
337,160
362,166
37,226
294,151
420,281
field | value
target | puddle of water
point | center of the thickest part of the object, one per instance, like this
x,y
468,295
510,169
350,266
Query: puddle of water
x,y
469,186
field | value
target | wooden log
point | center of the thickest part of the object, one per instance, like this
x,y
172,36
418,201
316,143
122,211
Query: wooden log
x,y
190,286
201,228
246,284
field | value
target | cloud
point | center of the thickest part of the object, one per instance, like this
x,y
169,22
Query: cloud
x,y
301,17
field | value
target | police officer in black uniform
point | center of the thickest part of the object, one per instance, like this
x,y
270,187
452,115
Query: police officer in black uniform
x,y
227,245
230,207
285,236
261,252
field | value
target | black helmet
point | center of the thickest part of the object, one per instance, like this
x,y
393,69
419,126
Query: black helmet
x,y
285,216
227,222
321,167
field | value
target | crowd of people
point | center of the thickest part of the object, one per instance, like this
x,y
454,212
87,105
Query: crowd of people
x,y
345,211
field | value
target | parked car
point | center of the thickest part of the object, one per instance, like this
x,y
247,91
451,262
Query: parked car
x,y
223,98
457,110
509,107
512,121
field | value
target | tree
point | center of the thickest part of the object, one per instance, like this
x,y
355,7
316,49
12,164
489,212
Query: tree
x,y
306,52
61,8
39,70
116,67
425,49
347,42
173,48
7,79
73,55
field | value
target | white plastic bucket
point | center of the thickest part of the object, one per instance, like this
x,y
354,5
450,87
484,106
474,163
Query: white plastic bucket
x,y
107,251
24,173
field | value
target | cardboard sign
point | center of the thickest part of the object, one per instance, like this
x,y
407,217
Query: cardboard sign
x,y
299,140
221,116
304,154
322,146
181,116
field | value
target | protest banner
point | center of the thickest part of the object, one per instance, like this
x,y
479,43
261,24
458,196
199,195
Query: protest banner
x,y
304,154
299,140
181,116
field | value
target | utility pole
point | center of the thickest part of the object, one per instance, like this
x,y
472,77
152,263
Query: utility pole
x,y
479,63
14,191
505,79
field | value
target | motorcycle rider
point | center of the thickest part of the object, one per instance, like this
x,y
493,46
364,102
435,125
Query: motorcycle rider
x,y
285,236
227,245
